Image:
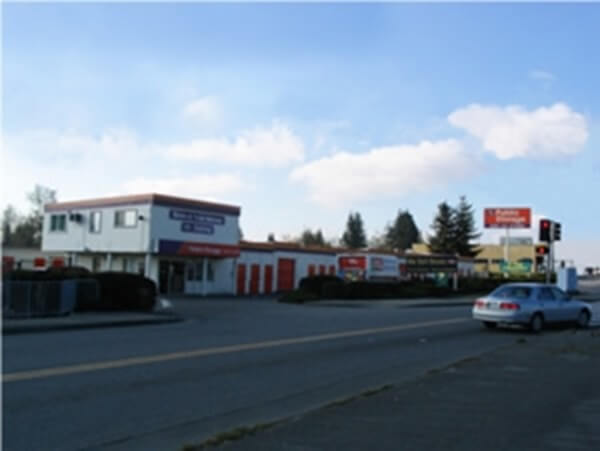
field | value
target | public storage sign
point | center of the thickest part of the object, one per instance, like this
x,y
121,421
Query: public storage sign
x,y
518,218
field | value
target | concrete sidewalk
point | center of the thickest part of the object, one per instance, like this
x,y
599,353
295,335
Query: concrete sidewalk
x,y
541,392
85,321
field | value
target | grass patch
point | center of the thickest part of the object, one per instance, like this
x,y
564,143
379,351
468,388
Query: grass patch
x,y
364,394
230,436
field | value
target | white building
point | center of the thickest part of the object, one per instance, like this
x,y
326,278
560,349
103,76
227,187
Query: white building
x,y
184,245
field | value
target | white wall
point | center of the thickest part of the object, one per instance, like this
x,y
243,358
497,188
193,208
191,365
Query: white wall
x,y
249,258
224,282
78,238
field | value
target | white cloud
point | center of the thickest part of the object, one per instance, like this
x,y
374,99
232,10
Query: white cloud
x,y
208,186
81,166
276,146
541,75
387,171
55,145
513,132
205,109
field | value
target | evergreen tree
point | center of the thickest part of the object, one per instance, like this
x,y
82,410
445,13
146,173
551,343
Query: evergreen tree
x,y
443,239
354,237
403,233
310,238
464,226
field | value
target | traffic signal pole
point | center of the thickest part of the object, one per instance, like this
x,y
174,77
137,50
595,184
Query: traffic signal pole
x,y
550,264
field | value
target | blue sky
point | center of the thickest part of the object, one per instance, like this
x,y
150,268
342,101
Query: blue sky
x,y
300,113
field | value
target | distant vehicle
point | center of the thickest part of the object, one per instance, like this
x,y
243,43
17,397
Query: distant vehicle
x,y
531,305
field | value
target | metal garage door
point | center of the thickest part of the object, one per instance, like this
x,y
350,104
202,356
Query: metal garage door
x,y
254,278
285,274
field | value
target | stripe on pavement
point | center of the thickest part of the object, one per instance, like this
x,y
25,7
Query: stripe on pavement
x,y
203,352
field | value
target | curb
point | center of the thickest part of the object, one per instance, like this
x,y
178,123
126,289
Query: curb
x,y
37,328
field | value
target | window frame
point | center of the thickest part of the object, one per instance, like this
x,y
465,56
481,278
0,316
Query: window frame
x,y
541,298
92,214
53,216
124,212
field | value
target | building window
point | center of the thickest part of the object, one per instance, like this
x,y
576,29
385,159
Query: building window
x,y
58,223
95,221
125,218
210,272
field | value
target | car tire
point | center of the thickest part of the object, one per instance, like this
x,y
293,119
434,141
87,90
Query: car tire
x,y
583,319
490,324
536,324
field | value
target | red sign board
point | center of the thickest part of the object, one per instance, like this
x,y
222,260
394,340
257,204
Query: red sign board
x,y
352,263
518,218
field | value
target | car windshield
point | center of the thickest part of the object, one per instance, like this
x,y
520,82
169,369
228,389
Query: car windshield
x,y
513,292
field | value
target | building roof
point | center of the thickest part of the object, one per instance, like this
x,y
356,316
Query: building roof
x,y
272,246
151,198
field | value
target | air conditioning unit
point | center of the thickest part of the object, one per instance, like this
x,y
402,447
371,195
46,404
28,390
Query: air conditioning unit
x,y
76,217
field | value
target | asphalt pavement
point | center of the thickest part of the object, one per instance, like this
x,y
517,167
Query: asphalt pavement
x,y
229,363
538,393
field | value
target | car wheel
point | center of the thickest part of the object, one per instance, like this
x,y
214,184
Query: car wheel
x,y
490,324
536,323
583,319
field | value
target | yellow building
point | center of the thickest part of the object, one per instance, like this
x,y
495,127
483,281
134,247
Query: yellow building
x,y
521,258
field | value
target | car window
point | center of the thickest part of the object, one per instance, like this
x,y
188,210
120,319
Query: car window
x,y
559,294
546,294
515,292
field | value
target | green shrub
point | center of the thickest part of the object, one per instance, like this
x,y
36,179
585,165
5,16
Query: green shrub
x,y
298,297
333,290
315,284
125,291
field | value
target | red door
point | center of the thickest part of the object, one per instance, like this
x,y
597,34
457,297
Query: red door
x,y
241,279
322,270
332,270
285,274
311,270
268,279
254,278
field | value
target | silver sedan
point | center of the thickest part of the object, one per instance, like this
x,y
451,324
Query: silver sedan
x,y
532,305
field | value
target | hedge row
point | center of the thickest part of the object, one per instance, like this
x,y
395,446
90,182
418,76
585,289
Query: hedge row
x,y
104,291
330,287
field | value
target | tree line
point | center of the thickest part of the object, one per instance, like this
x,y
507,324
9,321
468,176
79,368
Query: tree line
x,y
453,232
26,230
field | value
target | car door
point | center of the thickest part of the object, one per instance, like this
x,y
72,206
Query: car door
x,y
548,303
565,311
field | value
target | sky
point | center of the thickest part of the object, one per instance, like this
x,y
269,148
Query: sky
x,y
301,113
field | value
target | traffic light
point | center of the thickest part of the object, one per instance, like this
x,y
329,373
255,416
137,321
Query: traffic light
x,y
545,230
556,235
542,250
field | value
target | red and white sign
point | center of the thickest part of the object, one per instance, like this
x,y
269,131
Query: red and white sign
x,y
518,218
352,263
209,250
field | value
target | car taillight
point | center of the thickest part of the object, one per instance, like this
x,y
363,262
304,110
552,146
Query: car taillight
x,y
509,306
479,303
